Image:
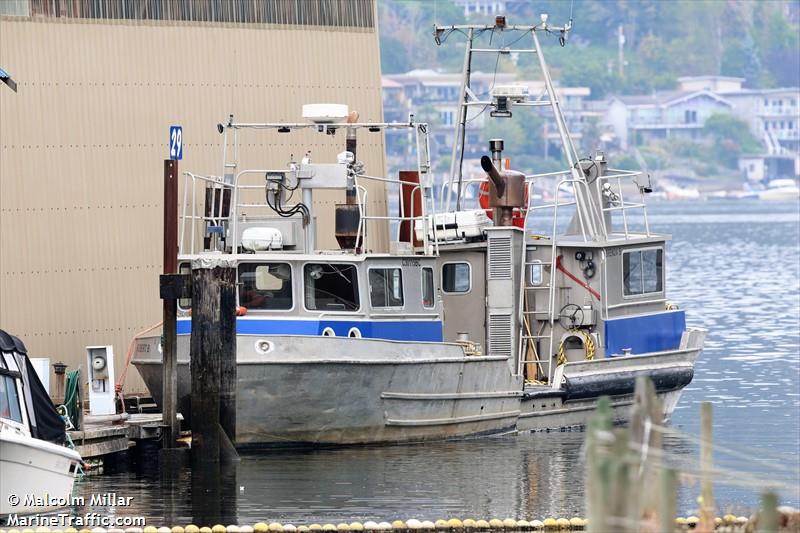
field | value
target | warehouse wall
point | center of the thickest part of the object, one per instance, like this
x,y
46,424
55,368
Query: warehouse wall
x,y
82,145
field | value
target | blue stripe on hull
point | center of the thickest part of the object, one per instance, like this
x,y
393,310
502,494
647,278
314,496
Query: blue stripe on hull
x,y
396,330
645,333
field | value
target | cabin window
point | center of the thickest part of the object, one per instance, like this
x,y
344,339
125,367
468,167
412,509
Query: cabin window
x,y
428,295
186,269
331,287
265,286
386,287
642,271
9,402
456,277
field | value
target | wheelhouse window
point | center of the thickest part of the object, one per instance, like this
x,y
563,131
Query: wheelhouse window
x,y
456,277
9,401
386,287
428,293
331,287
643,271
265,286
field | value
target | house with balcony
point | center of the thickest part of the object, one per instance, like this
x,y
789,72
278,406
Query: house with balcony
x,y
773,116
640,119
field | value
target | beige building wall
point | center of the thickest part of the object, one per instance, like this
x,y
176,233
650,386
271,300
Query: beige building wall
x,y
82,145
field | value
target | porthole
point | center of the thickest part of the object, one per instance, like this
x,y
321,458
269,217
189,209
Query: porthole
x,y
328,332
263,346
354,333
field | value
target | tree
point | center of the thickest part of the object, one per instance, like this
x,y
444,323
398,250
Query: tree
x,y
731,137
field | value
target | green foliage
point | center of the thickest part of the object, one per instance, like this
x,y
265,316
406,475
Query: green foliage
x,y
664,40
394,57
522,135
731,138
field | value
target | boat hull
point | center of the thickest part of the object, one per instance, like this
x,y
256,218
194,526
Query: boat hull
x,y
330,391
582,383
40,474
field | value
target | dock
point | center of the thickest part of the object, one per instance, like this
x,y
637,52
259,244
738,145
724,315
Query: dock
x,y
104,435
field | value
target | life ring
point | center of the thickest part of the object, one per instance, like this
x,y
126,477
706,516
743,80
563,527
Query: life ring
x,y
518,218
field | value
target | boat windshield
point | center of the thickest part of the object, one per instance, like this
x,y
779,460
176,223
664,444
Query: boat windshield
x,y
9,401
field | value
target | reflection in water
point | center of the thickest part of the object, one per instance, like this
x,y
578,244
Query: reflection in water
x,y
732,265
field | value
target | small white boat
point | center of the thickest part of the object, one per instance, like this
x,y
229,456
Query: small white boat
x,y
780,190
36,473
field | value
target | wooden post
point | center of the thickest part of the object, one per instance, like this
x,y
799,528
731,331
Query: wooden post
x,y
706,465
598,433
213,339
170,355
227,385
646,413
768,517
668,501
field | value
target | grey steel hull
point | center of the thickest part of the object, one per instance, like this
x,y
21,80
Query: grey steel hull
x,y
323,390
332,391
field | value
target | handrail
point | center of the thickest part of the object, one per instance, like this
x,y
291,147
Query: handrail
x,y
190,181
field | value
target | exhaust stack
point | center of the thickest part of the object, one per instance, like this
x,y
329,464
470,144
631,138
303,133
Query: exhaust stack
x,y
506,189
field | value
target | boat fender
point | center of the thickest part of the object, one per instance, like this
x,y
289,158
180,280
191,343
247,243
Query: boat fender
x,y
623,382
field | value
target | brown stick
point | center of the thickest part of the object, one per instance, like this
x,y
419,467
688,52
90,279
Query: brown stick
x,y
170,309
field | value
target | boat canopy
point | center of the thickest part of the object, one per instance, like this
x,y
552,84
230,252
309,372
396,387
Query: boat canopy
x,y
44,421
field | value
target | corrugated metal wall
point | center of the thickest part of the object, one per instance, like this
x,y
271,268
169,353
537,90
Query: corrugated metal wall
x,y
82,145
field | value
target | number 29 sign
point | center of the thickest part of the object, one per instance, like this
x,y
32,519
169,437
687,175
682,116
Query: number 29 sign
x,y
175,143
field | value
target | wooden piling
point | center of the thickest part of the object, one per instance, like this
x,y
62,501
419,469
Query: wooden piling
x,y
668,500
170,309
646,413
768,517
599,431
706,466
213,340
227,385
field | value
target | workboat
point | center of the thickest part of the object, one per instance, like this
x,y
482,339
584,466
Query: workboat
x,y
494,317
36,471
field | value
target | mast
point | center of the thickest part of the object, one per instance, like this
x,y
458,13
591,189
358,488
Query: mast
x,y
588,215
461,126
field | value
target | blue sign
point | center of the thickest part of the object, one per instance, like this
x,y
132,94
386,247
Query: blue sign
x,y
175,143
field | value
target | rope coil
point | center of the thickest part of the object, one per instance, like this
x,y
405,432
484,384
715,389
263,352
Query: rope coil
x,y
588,344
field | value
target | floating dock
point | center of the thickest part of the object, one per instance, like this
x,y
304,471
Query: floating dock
x,y
104,435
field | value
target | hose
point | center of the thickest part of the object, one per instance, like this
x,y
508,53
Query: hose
x,y
72,395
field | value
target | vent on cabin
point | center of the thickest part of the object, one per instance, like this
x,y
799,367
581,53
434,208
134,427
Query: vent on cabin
x,y
500,335
500,258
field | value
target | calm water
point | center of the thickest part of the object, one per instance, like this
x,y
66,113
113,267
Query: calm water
x,y
734,266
